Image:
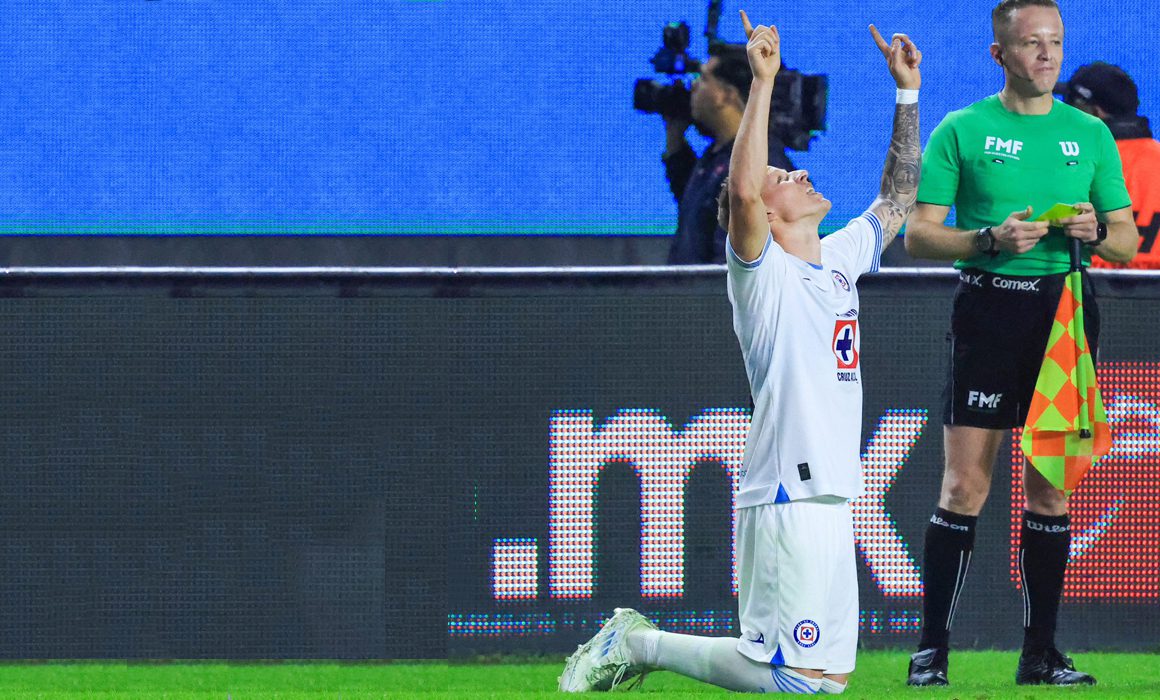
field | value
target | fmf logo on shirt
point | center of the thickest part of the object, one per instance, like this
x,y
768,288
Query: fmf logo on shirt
x,y
845,343
1008,147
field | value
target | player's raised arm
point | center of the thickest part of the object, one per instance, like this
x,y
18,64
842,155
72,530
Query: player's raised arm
x,y
900,174
748,222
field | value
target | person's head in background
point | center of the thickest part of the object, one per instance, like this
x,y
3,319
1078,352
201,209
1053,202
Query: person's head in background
x,y
1107,92
1103,90
721,90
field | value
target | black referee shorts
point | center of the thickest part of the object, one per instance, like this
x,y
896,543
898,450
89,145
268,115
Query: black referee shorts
x,y
999,330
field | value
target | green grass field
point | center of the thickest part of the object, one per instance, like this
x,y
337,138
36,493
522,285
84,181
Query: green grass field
x,y
975,675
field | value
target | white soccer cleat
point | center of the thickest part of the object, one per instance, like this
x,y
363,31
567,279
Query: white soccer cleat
x,y
604,662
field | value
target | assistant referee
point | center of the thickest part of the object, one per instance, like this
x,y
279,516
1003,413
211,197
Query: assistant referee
x,y
1001,162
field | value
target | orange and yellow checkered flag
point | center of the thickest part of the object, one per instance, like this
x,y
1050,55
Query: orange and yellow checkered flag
x,y
1067,429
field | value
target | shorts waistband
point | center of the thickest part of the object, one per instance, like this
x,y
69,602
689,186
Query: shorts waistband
x,y
981,279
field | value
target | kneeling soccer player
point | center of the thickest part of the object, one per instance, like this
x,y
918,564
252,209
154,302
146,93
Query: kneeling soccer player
x,y
795,313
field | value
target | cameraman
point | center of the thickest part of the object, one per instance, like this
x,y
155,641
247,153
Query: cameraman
x,y
718,100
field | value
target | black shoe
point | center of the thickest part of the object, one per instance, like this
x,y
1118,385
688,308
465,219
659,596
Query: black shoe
x,y
1049,668
928,667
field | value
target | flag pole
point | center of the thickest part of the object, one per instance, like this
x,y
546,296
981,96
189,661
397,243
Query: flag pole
x,y
1075,281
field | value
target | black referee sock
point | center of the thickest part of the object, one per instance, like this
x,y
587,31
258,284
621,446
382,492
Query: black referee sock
x,y
1043,551
950,538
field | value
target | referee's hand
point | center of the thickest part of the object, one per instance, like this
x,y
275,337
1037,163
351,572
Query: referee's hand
x,y
1018,235
1083,225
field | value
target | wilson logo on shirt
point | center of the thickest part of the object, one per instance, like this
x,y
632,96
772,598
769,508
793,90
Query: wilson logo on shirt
x,y
1069,148
845,343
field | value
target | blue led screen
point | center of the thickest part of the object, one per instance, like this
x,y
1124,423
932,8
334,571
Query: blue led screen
x,y
434,116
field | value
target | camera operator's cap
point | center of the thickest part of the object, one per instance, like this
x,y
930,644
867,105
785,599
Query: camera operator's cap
x,y
1103,85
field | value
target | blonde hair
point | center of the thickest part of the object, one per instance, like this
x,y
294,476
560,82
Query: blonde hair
x,y
1001,15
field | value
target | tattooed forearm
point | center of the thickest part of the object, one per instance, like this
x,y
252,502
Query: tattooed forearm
x,y
900,175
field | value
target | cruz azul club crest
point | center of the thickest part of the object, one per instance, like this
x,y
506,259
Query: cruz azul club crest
x,y
845,343
841,280
806,633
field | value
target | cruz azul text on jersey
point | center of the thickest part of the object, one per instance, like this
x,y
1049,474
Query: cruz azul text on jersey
x,y
845,347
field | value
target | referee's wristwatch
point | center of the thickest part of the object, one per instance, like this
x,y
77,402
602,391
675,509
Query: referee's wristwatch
x,y
1101,235
985,242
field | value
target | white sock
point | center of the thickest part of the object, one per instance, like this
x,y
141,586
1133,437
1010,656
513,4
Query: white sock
x,y
642,646
716,660
788,680
832,687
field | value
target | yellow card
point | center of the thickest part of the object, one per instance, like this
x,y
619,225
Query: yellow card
x,y
1059,211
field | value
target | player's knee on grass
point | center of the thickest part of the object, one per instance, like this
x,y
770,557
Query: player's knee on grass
x,y
832,687
790,680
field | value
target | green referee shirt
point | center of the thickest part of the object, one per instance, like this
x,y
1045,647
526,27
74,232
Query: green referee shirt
x,y
988,162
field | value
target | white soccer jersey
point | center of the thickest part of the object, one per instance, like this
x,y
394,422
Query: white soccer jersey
x,y
800,338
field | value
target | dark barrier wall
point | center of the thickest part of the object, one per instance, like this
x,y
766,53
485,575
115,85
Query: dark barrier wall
x,y
378,464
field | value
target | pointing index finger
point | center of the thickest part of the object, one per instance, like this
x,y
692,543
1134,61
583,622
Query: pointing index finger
x,y
745,23
882,45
